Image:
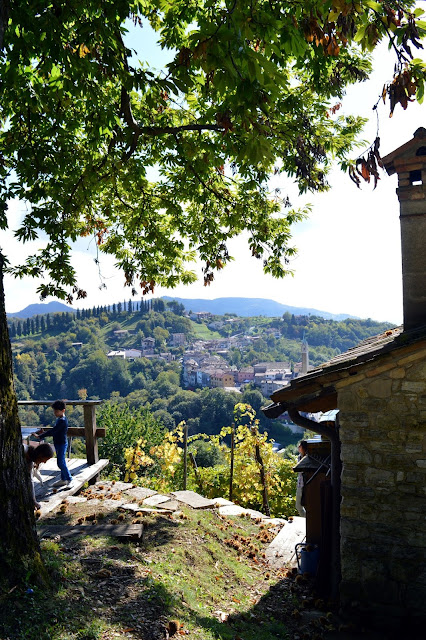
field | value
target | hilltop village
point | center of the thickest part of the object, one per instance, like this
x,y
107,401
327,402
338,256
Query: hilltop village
x,y
204,362
178,365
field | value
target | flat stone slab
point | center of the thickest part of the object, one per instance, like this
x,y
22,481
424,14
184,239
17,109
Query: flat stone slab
x,y
140,493
76,499
170,505
235,510
222,502
130,506
107,503
281,552
193,499
118,486
157,499
273,522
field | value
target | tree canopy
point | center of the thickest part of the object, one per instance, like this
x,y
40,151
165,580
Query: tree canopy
x,y
161,166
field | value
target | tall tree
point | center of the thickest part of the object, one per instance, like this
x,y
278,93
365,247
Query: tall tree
x,y
18,539
252,89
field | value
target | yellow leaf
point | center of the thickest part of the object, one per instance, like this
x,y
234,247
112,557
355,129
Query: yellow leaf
x,y
83,51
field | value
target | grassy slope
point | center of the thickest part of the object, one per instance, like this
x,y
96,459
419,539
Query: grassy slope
x,y
202,332
197,568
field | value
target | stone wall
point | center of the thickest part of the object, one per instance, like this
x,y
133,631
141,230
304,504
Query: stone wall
x,y
383,511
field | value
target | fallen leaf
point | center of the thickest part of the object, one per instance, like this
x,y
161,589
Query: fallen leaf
x,y
103,573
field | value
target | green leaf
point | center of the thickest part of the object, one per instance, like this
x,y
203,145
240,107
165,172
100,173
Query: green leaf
x,y
251,69
373,5
360,33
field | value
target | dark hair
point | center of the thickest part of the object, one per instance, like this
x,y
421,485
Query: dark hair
x,y
43,450
58,404
303,444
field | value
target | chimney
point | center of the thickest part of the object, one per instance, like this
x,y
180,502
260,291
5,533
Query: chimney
x,y
409,162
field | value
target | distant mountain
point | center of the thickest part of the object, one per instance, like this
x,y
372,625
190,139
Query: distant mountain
x,y
246,307
40,309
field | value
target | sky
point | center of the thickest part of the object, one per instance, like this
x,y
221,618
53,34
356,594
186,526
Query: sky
x,y
349,252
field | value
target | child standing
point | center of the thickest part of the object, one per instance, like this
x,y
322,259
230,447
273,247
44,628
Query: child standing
x,y
60,441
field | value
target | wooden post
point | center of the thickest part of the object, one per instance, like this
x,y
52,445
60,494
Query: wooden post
x,y
265,502
231,471
185,455
92,455
197,474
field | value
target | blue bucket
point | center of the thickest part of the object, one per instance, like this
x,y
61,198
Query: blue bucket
x,y
307,558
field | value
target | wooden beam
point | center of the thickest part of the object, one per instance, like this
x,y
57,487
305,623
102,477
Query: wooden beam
x,y
80,432
133,531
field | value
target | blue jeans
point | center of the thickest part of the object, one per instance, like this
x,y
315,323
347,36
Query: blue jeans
x,y
61,450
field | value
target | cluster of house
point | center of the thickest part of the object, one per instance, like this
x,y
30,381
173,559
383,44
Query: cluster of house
x,y
203,365
147,349
202,369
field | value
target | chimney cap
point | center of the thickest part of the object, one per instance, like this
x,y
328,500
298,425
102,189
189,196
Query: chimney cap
x,y
420,133
408,156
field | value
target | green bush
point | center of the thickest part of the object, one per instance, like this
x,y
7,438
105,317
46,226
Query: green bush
x,y
123,427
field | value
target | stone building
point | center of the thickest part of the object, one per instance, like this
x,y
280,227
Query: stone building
x,y
378,442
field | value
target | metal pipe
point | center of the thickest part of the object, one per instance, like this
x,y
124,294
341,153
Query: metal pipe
x,y
336,469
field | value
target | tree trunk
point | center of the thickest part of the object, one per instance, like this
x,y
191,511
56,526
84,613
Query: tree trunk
x,y
19,548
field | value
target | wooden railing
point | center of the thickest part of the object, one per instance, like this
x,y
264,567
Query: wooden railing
x,y
90,432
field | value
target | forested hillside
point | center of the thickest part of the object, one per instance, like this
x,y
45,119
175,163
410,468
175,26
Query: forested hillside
x,y
64,355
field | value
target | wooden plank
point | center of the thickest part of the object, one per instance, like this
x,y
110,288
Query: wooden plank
x,y
50,472
281,551
193,499
49,500
114,530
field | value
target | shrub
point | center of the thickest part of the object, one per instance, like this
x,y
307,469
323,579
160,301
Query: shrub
x,y
124,427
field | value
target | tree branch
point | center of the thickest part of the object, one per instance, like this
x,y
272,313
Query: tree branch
x,y
184,127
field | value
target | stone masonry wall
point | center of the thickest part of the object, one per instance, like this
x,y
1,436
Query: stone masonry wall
x,y
383,511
